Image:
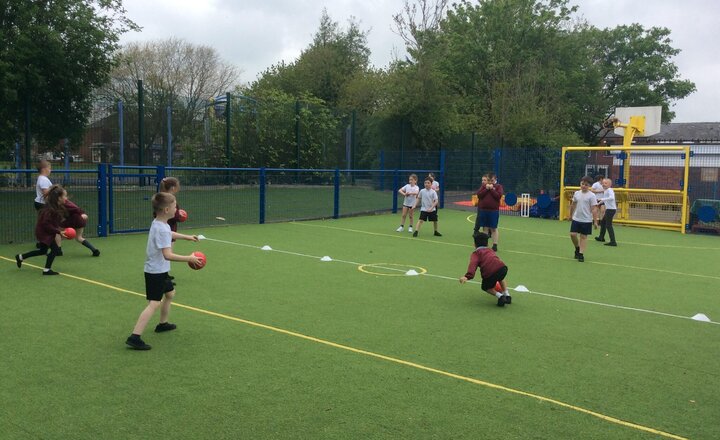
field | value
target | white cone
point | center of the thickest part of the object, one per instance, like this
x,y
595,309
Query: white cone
x,y
326,258
701,317
266,248
521,288
411,272
220,218
201,237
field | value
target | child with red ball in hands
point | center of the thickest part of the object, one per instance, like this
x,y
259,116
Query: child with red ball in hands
x,y
76,218
492,269
47,229
159,289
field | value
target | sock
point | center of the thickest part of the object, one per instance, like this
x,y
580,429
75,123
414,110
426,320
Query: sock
x,y
498,294
134,336
88,245
577,249
506,293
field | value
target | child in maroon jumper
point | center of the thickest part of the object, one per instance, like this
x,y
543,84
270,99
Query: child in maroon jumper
x,y
48,228
492,269
77,219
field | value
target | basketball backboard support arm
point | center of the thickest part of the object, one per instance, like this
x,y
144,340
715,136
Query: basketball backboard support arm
x,y
628,122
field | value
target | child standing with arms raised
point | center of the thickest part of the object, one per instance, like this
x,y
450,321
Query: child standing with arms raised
x,y
428,199
410,191
47,229
159,289
584,213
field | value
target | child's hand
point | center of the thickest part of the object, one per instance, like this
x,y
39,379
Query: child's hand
x,y
463,280
193,238
84,216
194,260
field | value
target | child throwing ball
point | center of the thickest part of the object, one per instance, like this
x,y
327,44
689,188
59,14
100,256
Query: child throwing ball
x,y
492,269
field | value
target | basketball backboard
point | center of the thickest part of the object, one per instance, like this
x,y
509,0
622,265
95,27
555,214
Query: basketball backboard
x,y
652,118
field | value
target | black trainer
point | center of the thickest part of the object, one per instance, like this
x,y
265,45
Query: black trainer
x,y
581,258
164,327
599,239
96,253
577,255
501,302
50,272
18,261
612,243
508,299
437,234
494,247
137,343
415,234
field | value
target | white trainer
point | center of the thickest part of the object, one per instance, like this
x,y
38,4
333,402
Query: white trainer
x,y
410,229
399,229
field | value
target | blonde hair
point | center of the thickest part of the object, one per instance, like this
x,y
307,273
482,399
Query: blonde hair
x,y
168,183
162,200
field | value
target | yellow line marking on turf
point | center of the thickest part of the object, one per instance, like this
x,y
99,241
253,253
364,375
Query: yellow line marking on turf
x,y
670,246
649,269
386,358
362,268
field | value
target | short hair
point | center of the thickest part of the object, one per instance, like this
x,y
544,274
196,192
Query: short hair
x,y
490,176
161,201
587,179
480,239
168,183
599,177
428,179
42,165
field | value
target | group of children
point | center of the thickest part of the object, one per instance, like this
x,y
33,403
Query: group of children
x,y
56,213
593,205
428,200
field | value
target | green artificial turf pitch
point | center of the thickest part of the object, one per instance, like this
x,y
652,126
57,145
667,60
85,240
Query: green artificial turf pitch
x,y
279,344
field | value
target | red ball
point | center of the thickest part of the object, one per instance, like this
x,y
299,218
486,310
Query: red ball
x,y
182,215
70,233
203,261
498,287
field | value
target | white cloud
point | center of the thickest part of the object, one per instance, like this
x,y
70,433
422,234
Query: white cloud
x,y
254,34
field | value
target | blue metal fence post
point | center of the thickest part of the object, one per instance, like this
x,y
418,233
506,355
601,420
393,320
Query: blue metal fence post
x,y
396,184
441,176
110,199
159,176
66,152
336,198
497,158
121,129
382,170
262,195
102,200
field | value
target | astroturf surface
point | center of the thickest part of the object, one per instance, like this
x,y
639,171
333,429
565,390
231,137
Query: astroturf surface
x,y
279,344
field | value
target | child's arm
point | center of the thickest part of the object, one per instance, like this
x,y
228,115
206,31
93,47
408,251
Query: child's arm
x,y
472,268
169,255
595,216
177,236
402,192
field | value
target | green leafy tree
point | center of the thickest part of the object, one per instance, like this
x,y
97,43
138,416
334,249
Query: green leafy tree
x,y
53,54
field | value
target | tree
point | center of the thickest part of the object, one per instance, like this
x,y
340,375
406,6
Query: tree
x,y
53,54
174,73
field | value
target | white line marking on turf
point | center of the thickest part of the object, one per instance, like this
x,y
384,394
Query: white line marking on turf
x,y
557,257
443,277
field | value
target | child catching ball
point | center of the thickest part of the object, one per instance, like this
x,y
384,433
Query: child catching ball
x,y
492,269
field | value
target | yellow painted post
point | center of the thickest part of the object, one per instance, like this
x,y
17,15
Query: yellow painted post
x,y
563,203
686,183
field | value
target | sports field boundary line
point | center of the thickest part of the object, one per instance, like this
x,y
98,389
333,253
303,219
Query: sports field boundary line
x,y
444,277
634,243
557,257
391,359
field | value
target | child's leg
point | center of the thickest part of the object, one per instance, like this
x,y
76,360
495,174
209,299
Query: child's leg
x,y
165,306
411,211
419,224
54,251
494,235
83,241
435,225
574,239
145,316
404,215
582,243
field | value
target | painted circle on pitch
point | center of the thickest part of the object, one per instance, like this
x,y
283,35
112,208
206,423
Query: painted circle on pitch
x,y
510,199
707,214
389,269
543,201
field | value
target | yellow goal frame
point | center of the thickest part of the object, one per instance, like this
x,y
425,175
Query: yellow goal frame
x,y
625,194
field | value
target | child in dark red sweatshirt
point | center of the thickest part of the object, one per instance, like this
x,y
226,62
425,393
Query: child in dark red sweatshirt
x,y
492,269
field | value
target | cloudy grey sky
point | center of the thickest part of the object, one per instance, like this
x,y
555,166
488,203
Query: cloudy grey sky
x,y
254,34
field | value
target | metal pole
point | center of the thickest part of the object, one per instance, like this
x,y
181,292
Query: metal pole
x,y
121,128
169,136
227,129
141,124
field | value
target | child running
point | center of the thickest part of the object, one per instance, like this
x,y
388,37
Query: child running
x,y
47,229
159,289
410,191
77,219
492,269
428,199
